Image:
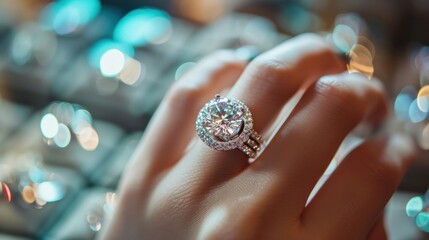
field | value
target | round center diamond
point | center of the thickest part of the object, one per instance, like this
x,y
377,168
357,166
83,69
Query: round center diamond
x,y
223,119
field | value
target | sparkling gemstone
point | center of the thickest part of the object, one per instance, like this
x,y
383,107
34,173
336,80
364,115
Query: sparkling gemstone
x,y
223,119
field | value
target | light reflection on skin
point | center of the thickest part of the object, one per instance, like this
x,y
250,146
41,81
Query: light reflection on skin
x,y
212,221
182,69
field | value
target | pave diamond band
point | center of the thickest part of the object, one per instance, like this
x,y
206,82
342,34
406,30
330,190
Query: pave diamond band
x,y
253,145
225,124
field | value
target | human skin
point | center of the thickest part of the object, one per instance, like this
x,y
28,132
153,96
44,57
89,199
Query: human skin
x,y
176,187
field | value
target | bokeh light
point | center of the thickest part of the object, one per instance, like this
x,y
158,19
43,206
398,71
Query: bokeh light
x,y
98,215
7,192
63,137
365,42
349,39
35,184
68,16
109,205
418,208
36,174
49,125
50,191
258,31
30,43
112,63
360,60
61,122
415,114
94,221
28,194
143,26
423,98
298,19
424,138
402,106
422,221
116,64
102,46
88,138
414,206
201,11
132,72
403,102
344,37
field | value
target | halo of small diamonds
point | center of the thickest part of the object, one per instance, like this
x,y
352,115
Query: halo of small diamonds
x,y
224,123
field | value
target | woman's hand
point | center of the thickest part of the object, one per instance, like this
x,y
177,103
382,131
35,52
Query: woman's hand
x,y
171,190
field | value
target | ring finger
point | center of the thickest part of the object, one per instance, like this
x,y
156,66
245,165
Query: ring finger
x,y
265,87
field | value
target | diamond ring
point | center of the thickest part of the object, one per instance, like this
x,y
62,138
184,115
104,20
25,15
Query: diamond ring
x,y
225,124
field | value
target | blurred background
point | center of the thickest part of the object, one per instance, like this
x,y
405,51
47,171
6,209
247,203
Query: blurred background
x,y
80,79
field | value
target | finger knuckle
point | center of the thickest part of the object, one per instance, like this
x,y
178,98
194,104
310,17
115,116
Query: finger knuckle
x,y
339,98
263,68
182,95
222,60
380,170
316,43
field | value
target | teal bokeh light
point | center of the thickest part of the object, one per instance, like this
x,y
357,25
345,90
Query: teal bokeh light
x,y
422,221
99,48
414,206
142,26
402,106
66,16
416,115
